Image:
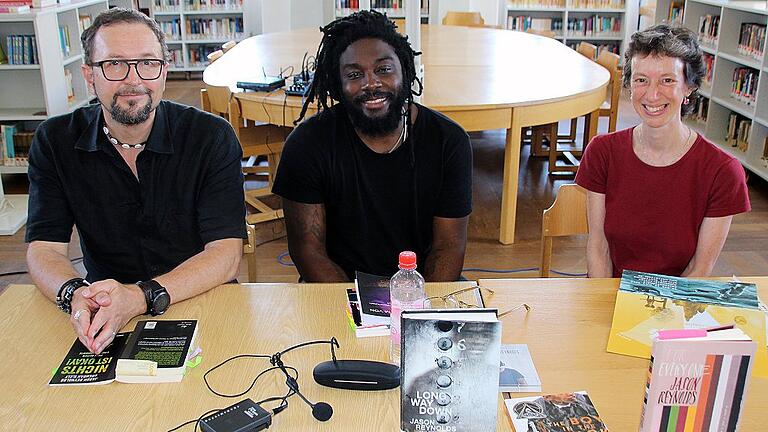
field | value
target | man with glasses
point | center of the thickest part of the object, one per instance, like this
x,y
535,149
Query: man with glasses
x,y
154,188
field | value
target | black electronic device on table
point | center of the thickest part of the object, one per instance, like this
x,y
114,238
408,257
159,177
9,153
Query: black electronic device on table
x,y
262,84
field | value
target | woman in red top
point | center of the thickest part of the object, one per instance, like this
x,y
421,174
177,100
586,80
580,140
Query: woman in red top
x,y
660,196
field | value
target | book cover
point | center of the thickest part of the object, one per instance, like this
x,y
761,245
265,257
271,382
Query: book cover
x,y
566,412
373,295
166,343
697,384
646,303
516,370
82,367
449,373
355,321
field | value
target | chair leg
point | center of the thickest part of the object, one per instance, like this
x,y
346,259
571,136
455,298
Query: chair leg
x,y
546,256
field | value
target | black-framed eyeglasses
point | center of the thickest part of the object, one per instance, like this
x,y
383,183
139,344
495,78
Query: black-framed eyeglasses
x,y
117,70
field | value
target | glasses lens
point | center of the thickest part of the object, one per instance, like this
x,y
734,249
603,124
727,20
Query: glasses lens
x,y
149,69
115,70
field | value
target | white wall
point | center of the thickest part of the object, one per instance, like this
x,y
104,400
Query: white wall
x,y
285,15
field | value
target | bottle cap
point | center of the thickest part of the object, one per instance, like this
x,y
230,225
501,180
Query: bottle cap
x,y
407,260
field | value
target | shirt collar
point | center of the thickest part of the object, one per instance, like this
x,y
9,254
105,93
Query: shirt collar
x,y
159,138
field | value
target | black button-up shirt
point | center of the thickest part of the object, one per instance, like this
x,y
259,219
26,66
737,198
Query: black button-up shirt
x,y
189,191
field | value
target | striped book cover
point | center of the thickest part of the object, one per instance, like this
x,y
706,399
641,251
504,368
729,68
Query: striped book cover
x,y
698,384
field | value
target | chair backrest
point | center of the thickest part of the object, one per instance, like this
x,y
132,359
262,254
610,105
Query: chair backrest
x,y
467,19
610,61
587,50
249,250
541,32
212,57
218,100
567,216
228,45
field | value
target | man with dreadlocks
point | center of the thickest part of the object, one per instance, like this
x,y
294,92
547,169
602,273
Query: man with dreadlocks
x,y
376,173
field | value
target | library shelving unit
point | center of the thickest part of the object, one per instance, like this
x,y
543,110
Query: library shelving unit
x,y
47,83
735,115
395,9
195,28
604,23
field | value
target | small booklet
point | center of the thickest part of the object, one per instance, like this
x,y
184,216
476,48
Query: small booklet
x,y
156,351
516,370
566,412
355,321
373,295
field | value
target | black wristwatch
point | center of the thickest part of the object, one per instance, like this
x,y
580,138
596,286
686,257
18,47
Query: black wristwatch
x,y
156,296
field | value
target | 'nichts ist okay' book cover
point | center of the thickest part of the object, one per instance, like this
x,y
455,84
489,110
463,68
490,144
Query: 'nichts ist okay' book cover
x,y
698,384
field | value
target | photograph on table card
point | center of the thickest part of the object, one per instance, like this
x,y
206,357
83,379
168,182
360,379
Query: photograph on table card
x,y
449,372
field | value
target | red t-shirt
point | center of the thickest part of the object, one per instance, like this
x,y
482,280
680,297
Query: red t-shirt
x,y
653,214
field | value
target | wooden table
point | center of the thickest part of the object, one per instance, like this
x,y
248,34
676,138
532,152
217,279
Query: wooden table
x,y
481,78
567,332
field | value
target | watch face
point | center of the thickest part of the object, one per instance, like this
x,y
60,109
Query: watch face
x,y
161,303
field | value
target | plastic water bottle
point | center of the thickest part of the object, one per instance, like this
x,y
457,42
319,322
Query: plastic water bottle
x,y
406,291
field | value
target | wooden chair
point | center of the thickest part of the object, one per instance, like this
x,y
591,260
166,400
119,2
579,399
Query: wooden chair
x,y
567,216
466,19
249,250
587,50
212,57
541,32
610,107
228,45
255,140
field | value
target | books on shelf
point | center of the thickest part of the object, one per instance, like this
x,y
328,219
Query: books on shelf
x,y
214,28
675,14
701,110
752,41
83,22
70,86
346,7
709,63
595,25
64,41
198,54
171,28
737,134
596,4
197,5
449,372
516,370
536,4
709,26
12,8
744,85
647,303
566,412
22,49
525,22
156,351
14,145
697,378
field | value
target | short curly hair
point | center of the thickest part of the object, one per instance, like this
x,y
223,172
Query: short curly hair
x,y
669,41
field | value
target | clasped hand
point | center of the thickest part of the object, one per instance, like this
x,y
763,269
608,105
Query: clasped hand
x,y
100,310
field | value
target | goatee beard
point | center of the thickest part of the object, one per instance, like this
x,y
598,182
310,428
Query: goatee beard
x,y
127,116
379,126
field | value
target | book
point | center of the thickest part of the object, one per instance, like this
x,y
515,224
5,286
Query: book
x,y
449,369
355,321
647,302
373,296
82,367
156,351
516,370
566,412
697,379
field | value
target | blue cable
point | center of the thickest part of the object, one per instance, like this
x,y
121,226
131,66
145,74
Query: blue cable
x,y
281,260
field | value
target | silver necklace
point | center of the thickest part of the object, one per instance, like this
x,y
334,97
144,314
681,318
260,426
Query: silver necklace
x,y
115,141
644,146
401,139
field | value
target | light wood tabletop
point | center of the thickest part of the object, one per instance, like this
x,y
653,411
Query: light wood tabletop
x,y
481,78
567,332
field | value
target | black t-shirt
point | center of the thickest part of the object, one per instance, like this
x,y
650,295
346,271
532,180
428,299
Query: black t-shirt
x,y
377,205
189,191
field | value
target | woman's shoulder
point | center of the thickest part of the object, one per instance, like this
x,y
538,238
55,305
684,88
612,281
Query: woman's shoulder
x,y
618,142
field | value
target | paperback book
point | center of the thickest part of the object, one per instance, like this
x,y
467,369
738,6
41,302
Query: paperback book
x,y
516,370
156,351
355,320
647,303
697,380
373,293
566,412
449,373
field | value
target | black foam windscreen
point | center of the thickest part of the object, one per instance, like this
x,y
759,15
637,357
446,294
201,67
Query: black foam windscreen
x,y
322,411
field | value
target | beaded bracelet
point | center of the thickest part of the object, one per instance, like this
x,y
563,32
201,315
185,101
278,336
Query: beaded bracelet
x,y
67,290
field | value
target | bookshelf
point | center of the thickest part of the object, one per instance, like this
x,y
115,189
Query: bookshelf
x,y
196,28
605,23
735,111
46,83
395,9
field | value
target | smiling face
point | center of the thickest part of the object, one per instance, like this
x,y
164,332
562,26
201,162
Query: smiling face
x,y
658,88
132,100
372,86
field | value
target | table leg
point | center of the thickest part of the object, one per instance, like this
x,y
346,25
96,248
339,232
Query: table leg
x,y
509,187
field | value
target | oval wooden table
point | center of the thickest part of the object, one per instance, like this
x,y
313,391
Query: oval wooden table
x,y
481,78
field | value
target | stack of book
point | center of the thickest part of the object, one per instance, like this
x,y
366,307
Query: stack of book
x,y
15,6
744,85
752,40
709,25
738,131
22,49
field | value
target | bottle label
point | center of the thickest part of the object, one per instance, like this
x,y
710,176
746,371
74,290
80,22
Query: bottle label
x,y
397,309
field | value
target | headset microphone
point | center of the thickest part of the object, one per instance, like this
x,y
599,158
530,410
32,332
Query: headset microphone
x,y
320,411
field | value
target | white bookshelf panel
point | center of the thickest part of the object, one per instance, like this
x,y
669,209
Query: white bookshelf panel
x,y
21,89
760,147
762,98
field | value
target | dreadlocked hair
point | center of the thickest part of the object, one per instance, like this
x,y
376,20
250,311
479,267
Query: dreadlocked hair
x,y
340,34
